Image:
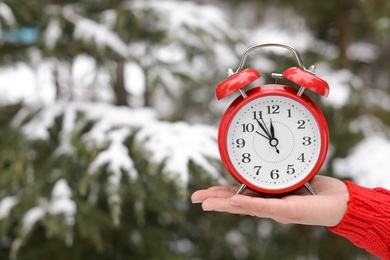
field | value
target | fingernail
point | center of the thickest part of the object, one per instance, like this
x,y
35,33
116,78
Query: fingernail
x,y
205,207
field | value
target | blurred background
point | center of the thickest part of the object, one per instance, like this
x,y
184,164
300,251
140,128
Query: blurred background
x,y
108,122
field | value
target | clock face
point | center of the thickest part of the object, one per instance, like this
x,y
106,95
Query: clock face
x,y
273,143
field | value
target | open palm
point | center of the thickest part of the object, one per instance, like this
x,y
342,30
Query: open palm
x,y
327,208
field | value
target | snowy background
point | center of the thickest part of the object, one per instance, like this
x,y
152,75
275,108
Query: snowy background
x,y
169,112
34,84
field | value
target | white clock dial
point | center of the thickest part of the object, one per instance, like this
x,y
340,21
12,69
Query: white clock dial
x,y
273,142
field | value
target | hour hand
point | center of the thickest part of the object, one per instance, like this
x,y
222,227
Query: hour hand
x,y
273,141
272,129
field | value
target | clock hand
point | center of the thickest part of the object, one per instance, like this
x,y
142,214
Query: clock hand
x,y
264,128
269,135
273,141
257,132
272,129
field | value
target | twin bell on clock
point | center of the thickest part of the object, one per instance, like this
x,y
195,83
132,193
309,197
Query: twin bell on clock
x,y
273,138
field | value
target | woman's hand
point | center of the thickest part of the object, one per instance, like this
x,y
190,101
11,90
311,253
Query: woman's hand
x,y
327,208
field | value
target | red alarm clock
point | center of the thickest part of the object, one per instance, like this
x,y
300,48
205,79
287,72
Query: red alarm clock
x,y
273,138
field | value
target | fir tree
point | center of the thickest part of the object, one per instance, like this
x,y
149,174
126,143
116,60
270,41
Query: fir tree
x,y
98,159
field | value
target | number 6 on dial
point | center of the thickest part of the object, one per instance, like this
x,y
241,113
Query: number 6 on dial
x,y
273,138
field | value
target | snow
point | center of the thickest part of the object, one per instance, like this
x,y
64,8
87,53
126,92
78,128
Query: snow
x,y
61,202
113,125
38,127
109,18
21,83
116,157
224,56
61,189
89,81
84,71
35,85
362,51
52,33
377,98
108,117
89,30
293,31
7,14
368,163
31,217
340,83
171,53
6,205
177,144
180,17
134,79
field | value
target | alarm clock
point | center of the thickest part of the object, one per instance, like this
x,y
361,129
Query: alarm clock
x,y
273,138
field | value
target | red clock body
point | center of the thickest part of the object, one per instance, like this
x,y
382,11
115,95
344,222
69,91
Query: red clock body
x,y
272,139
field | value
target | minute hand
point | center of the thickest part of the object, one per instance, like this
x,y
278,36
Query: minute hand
x,y
264,128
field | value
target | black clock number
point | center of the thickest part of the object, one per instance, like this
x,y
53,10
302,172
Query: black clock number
x,y
257,168
306,140
290,169
274,174
246,158
257,115
301,157
301,124
273,109
240,143
248,128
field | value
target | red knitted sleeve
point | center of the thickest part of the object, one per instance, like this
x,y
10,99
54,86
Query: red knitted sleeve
x,y
367,220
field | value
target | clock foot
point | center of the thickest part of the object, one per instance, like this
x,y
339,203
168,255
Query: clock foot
x,y
241,189
310,189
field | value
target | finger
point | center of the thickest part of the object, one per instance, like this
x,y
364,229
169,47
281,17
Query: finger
x,y
234,190
261,207
201,195
222,191
224,188
221,205
244,205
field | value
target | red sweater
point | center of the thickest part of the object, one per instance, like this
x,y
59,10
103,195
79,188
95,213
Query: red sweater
x,y
367,220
